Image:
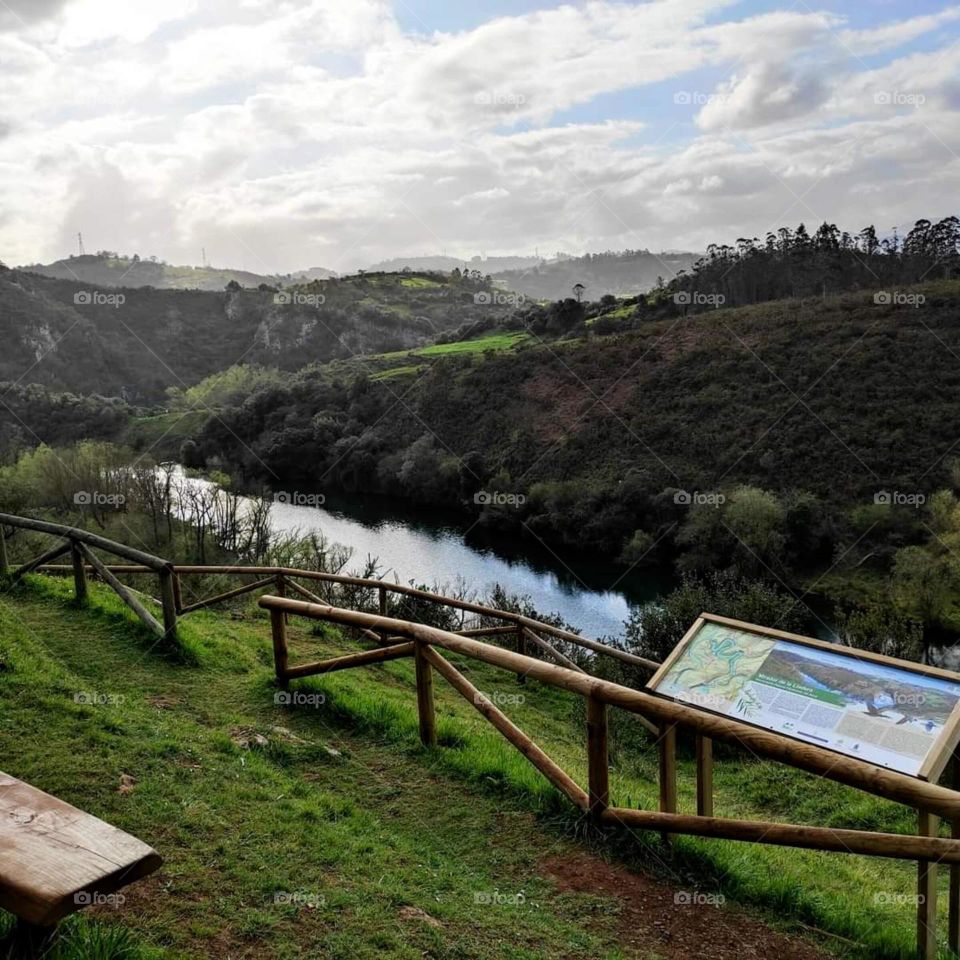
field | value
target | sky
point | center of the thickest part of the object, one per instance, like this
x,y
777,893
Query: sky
x,y
284,134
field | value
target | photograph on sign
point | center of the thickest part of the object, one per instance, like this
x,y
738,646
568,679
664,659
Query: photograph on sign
x,y
885,714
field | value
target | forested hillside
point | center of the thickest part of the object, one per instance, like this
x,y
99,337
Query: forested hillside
x,y
797,414
136,343
795,263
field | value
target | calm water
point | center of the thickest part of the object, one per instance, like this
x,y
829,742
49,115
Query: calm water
x,y
432,547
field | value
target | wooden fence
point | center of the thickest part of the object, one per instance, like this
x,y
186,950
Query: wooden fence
x,y
80,544
423,643
398,639
527,633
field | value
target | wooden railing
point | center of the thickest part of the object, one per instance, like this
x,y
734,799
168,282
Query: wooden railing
x,y
397,639
527,633
80,545
423,643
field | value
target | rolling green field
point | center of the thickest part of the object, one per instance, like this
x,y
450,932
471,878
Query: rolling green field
x,y
495,341
325,829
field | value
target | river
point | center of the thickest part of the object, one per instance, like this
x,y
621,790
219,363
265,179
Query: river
x,y
438,548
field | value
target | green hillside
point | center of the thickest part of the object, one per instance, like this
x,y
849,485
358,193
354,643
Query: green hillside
x,y
326,830
823,403
137,342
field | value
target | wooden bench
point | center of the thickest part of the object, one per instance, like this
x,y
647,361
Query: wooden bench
x,y
56,859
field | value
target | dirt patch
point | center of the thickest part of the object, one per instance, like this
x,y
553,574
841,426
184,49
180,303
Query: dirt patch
x,y
415,913
678,924
164,703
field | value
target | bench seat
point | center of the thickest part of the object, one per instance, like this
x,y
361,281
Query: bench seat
x,y
50,852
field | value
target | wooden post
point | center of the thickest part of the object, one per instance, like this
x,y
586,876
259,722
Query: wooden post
x,y
704,776
282,592
668,771
598,756
521,649
79,572
425,706
177,593
279,630
382,607
4,561
927,893
169,604
953,929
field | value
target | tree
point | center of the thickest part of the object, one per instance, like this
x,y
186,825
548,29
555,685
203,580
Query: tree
x,y
578,289
655,629
881,629
922,583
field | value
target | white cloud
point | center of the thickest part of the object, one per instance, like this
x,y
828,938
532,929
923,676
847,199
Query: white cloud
x,y
282,134
94,21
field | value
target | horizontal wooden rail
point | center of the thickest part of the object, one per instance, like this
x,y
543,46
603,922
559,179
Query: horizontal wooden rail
x,y
288,573
816,760
364,659
897,846
156,564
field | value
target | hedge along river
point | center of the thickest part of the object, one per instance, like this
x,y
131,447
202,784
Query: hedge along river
x,y
436,547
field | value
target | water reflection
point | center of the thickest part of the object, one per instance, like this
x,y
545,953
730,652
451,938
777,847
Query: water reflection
x,y
431,546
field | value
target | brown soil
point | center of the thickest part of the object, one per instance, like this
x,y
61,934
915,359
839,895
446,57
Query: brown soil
x,y
654,921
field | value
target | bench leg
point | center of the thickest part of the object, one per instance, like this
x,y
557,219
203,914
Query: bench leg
x,y
30,942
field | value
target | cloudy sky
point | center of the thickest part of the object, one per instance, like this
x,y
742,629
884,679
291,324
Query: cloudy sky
x,y
284,134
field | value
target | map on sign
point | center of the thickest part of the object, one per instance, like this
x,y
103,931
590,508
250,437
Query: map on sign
x,y
886,714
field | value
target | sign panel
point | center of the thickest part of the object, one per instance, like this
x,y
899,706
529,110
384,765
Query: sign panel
x,y
888,712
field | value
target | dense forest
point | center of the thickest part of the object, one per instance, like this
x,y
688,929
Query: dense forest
x,y
795,263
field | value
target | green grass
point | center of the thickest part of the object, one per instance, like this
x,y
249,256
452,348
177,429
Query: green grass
x,y
164,432
493,342
404,371
420,283
362,839
385,825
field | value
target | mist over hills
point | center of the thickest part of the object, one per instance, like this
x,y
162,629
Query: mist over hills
x,y
620,274
624,273
486,265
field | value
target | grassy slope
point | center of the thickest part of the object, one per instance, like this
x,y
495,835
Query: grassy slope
x,y
397,363
237,826
364,835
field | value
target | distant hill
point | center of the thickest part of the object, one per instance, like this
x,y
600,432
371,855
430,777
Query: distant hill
x,y
135,342
108,270
620,274
486,265
314,273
